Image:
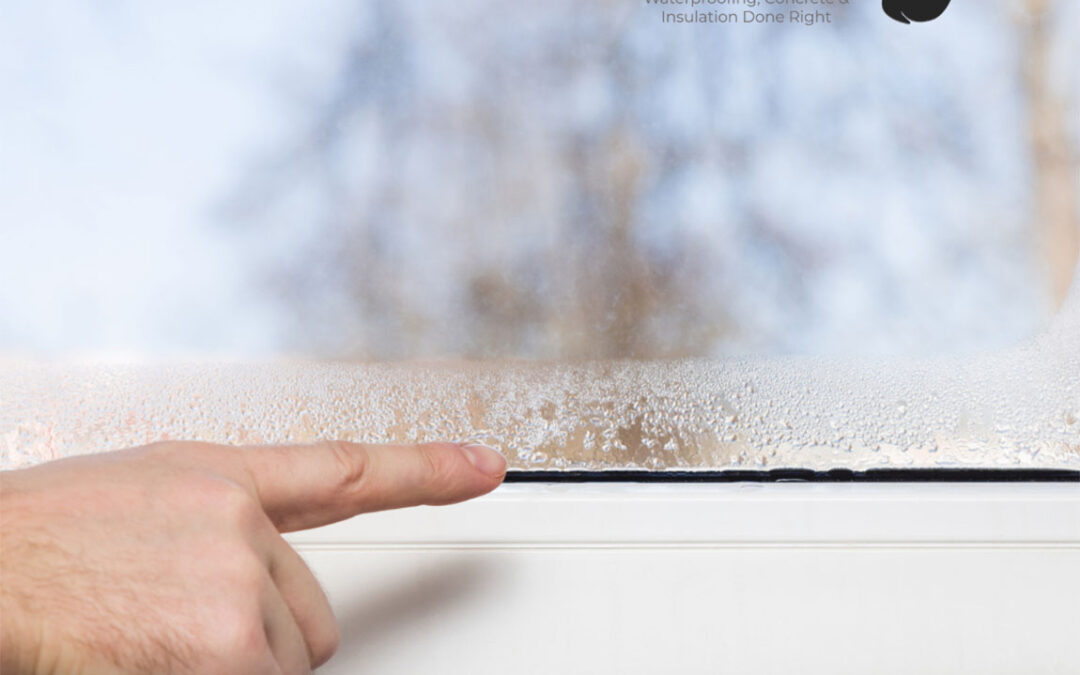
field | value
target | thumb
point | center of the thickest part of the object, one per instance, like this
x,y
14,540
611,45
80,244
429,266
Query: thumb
x,y
304,486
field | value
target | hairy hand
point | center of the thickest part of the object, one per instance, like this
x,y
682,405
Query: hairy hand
x,y
169,558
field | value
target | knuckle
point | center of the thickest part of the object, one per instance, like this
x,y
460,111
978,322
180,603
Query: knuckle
x,y
245,571
351,462
233,504
239,635
234,567
325,644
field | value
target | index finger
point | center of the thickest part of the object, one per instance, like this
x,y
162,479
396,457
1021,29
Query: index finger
x,y
304,486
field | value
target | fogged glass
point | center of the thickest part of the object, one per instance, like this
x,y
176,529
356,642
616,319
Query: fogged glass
x,y
577,231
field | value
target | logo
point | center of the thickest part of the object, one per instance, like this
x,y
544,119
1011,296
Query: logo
x,y
906,11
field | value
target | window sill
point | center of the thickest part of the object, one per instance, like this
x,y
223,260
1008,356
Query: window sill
x,y
807,578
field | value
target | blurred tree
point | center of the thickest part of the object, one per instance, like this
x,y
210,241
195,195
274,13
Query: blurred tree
x,y
1056,174
575,180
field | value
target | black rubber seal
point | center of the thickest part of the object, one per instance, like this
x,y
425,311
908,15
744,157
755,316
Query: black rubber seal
x,y
802,476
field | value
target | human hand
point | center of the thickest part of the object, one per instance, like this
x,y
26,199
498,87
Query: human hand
x,y
169,558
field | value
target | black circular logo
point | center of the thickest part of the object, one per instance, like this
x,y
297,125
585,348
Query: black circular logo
x,y
906,11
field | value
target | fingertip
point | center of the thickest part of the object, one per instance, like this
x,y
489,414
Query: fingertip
x,y
486,460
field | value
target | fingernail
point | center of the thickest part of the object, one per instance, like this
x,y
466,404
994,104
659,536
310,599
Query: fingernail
x,y
485,459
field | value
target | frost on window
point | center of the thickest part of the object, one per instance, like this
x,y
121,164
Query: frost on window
x,y
569,230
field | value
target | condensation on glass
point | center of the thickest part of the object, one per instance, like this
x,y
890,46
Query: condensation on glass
x,y
1015,408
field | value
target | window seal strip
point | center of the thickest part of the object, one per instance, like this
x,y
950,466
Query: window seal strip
x,y
923,475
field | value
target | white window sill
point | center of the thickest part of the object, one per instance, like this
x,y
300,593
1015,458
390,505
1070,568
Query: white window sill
x,y
789,578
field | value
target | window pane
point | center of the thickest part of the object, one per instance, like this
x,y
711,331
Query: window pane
x,y
579,231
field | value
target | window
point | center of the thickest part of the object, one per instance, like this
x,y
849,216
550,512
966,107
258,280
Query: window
x,y
587,233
